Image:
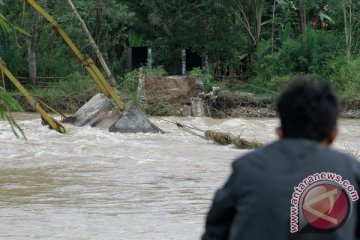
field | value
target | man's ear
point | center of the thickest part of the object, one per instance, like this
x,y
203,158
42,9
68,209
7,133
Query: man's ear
x,y
279,132
332,136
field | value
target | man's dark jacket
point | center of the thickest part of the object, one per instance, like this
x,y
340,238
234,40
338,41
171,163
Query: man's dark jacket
x,y
255,202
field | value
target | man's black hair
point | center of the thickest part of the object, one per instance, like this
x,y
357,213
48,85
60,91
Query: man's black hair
x,y
308,109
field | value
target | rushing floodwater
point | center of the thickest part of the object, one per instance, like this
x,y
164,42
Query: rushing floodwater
x,y
92,184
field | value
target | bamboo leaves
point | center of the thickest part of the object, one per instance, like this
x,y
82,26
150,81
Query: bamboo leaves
x,y
8,104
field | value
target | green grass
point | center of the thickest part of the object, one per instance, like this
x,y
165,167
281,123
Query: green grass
x,y
69,94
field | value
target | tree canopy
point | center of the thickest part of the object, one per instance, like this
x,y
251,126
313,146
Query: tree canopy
x,y
261,41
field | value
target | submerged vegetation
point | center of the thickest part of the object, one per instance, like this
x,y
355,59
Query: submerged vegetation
x,y
224,138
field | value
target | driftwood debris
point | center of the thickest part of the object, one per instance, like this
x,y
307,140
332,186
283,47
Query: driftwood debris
x,y
223,138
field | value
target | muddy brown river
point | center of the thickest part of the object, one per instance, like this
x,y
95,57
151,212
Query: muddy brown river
x,y
92,184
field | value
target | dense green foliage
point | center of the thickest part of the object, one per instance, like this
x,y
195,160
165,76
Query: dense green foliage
x,y
262,43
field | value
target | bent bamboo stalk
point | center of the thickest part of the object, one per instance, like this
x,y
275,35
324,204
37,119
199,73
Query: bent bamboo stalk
x,y
87,62
53,124
93,43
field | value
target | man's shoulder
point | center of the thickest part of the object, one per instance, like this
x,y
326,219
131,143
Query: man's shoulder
x,y
253,155
278,148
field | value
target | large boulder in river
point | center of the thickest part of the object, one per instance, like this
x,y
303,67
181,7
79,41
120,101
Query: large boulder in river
x,y
100,112
134,121
96,107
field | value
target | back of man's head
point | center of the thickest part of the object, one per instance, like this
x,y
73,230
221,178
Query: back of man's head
x,y
308,109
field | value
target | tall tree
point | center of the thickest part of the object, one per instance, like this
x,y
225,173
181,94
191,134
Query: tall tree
x,y
99,56
33,26
249,14
350,25
302,16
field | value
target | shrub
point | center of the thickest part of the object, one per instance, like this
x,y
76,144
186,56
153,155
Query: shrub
x,y
207,79
129,82
69,94
278,83
325,50
157,71
267,63
346,77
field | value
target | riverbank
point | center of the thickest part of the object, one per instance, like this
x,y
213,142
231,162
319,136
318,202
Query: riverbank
x,y
251,107
237,105
175,96
260,112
